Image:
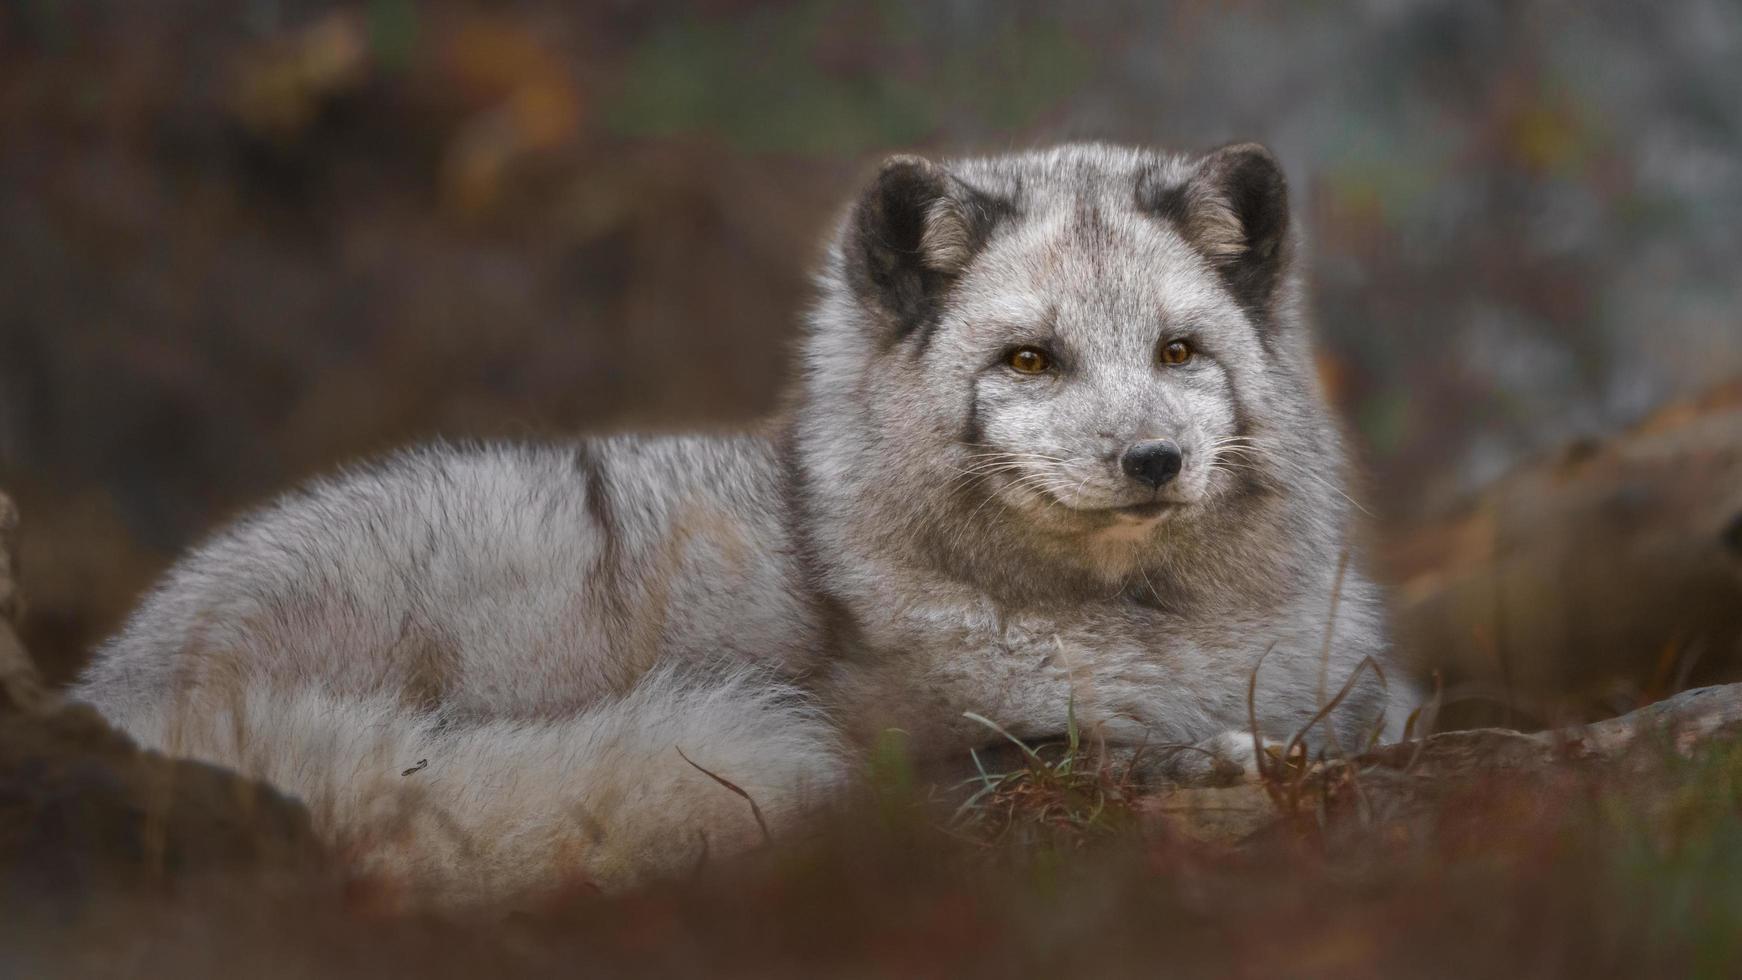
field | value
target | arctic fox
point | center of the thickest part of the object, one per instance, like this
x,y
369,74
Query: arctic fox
x,y
1057,447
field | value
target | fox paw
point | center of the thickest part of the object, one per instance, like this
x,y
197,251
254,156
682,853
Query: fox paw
x,y
1221,760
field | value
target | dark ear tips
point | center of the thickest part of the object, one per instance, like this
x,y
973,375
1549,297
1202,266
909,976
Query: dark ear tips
x,y
914,208
908,169
1252,181
894,207
1232,207
1253,155
912,231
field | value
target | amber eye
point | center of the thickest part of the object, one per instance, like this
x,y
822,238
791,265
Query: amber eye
x,y
1029,360
1176,352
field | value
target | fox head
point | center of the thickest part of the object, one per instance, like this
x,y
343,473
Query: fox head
x,y
1085,349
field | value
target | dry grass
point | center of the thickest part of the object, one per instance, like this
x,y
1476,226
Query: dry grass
x,y
1063,794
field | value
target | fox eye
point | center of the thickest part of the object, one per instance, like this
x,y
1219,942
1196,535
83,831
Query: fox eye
x,y
1029,360
1176,352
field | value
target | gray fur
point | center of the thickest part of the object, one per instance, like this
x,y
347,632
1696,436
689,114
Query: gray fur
x,y
926,533
997,590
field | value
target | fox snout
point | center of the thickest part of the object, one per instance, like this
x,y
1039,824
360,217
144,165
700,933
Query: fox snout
x,y
1153,462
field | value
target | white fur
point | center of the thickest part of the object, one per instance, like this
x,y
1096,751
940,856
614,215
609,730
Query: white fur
x,y
463,811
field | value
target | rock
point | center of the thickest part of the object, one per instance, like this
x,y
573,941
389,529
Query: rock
x,y
9,600
1415,777
20,688
1588,583
83,811
1682,722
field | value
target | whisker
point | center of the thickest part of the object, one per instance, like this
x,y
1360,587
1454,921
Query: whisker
x,y
1246,454
1000,449
995,463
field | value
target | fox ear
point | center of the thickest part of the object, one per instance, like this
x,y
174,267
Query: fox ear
x,y
909,237
1232,207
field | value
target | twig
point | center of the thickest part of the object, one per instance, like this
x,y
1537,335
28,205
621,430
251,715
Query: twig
x,y
755,810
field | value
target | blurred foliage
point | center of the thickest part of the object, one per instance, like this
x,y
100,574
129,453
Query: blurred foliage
x,y
823,77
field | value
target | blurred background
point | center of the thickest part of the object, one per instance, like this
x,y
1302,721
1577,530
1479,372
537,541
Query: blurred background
x,y
242,242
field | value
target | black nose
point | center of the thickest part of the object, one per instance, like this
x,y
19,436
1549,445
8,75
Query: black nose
x,y
1154,462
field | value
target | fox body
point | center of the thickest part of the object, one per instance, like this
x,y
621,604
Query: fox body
x,y
1057,452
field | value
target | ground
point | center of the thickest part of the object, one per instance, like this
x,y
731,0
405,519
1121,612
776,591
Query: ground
x,y
1612,850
